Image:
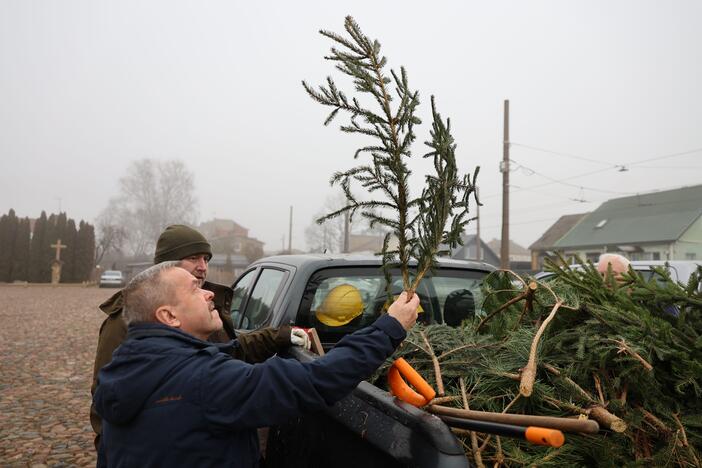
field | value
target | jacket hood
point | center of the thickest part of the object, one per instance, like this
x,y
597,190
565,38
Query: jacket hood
x,y
141,365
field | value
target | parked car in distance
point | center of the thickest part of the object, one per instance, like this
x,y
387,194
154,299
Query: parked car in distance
x,y
112,279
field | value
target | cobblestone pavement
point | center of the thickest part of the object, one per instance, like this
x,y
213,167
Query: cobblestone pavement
x,y
47,346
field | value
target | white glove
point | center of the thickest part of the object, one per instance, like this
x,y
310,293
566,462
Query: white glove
x,y
299,337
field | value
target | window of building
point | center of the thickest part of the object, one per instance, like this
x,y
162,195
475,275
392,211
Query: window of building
x,y
690,256
592,256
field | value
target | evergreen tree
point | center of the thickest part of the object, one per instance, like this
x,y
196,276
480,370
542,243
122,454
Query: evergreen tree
x,y
8,228
69,237
85,251
39,269
20,268
425,226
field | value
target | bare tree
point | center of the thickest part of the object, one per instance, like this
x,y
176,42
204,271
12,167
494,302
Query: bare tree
x,y
111,238
328,236
153,194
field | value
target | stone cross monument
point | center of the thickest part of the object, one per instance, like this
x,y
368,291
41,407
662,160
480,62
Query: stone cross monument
x,y
56,263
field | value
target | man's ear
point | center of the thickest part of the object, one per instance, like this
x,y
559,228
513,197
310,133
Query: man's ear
x,y
165,315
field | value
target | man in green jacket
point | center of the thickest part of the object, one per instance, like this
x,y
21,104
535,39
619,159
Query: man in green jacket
x,y
185,244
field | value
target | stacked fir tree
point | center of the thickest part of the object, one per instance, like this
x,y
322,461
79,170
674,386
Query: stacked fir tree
x,y
626,354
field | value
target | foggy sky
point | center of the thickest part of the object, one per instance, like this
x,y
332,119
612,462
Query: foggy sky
x,y
86,87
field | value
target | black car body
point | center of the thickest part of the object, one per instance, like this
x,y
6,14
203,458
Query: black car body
x,y
368,428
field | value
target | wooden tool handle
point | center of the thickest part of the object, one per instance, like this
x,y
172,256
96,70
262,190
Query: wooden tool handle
x,y
586,426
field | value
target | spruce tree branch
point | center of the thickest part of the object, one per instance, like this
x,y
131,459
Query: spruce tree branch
x,y
437,368
526,387
598,386
583,394
625,348
655,421
477,454
514,300
685,443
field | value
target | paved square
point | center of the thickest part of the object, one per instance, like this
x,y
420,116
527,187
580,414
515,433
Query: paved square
x,y
48,337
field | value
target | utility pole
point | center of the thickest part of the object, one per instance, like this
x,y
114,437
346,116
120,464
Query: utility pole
x,y
347,234
504,167
290,232
478,253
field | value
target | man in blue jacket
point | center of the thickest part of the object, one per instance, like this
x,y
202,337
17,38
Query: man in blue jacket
x,y
170,398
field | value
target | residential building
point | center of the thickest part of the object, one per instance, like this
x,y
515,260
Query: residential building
x,y
469,250
232,249
665,225
544,247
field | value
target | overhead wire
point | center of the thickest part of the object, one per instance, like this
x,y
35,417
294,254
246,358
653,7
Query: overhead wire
x,y
581,187
562,181
667,156
582,158
610,166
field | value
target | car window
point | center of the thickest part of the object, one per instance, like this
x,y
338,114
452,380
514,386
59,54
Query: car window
x,y
241,290
260,304
338,301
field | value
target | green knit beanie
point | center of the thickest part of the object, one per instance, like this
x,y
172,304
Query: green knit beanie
x,y
178,242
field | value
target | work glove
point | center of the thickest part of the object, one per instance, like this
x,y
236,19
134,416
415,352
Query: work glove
x,y
299,337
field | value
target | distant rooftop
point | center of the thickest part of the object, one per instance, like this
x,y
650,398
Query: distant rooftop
x,y
645,218
557,230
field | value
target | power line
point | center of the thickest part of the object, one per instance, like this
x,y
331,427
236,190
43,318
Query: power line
x,y
557,153
673,155
561,181
625,209
553,218
596,161
669,167
531,209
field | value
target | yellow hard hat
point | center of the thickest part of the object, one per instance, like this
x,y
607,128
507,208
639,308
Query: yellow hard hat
x,y
342,304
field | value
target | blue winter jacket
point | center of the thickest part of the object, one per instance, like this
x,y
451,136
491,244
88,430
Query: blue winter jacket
x,y
169,399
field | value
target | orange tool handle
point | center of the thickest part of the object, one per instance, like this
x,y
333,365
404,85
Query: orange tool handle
x,y
398,387
544,436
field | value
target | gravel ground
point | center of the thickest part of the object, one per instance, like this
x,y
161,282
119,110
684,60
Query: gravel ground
x,y
47,346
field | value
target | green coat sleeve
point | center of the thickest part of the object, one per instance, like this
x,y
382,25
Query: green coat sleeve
x,y
259,345
113,332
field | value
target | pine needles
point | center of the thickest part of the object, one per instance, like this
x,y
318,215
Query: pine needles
x,y
615,353
424,226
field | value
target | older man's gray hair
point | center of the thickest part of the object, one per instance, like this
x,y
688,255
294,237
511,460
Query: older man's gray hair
x,y
146,292
620,264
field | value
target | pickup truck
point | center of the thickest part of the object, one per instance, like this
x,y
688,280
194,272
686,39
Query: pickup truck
x,y
368,428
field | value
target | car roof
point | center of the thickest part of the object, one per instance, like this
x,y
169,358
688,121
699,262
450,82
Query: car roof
x,y
339,260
